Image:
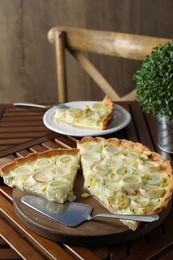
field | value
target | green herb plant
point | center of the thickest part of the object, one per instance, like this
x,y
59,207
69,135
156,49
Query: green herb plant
x,y
154,81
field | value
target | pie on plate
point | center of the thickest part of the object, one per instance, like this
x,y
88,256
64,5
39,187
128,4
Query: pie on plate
x,y
95,116
121,118
125,177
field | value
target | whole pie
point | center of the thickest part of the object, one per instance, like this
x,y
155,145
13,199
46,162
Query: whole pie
x,y
94,116
124,176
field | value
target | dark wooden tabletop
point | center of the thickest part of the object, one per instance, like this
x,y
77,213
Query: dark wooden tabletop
x,y
22,131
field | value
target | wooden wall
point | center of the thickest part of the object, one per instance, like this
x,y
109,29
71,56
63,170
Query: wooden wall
x,y
27,61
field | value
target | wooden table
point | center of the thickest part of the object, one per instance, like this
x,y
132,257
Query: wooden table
x,y
22,131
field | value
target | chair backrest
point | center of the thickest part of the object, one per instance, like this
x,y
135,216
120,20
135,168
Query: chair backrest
x,y
78,40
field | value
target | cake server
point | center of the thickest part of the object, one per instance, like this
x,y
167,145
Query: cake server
x,y
73,214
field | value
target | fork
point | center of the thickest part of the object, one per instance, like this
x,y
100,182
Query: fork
x,y
39,106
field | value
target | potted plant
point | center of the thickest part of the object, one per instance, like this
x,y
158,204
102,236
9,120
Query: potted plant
x,y
154,91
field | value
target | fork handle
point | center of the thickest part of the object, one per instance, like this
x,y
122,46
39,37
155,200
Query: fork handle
x,y
30,105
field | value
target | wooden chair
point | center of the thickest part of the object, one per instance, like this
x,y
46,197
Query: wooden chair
x,y
78,40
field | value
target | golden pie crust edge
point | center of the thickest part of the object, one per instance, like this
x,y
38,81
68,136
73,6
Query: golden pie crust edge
x,y
107,100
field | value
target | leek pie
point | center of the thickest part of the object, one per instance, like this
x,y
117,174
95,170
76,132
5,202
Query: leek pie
x,y
50,174
125,177
95,116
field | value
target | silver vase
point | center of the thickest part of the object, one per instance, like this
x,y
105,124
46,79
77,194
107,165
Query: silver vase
x,y
165,134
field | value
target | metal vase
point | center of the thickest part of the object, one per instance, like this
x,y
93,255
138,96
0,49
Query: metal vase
x,y
165,134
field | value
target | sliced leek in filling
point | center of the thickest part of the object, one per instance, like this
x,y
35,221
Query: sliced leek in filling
x,y
90,158
100,169
41,176
148,166
58,188
91,148
133,181
43,163
65,160
22,170
113,163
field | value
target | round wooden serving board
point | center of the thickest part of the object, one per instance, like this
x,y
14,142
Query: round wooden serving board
x,y
98,232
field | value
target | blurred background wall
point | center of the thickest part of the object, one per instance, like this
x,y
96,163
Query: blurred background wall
x,y
27,60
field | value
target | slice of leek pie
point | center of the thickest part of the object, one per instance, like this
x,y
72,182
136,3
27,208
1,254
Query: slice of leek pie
x,y
50,174
95,116
125,177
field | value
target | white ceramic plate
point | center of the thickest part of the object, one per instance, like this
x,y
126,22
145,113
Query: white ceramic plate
x,y
121,118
